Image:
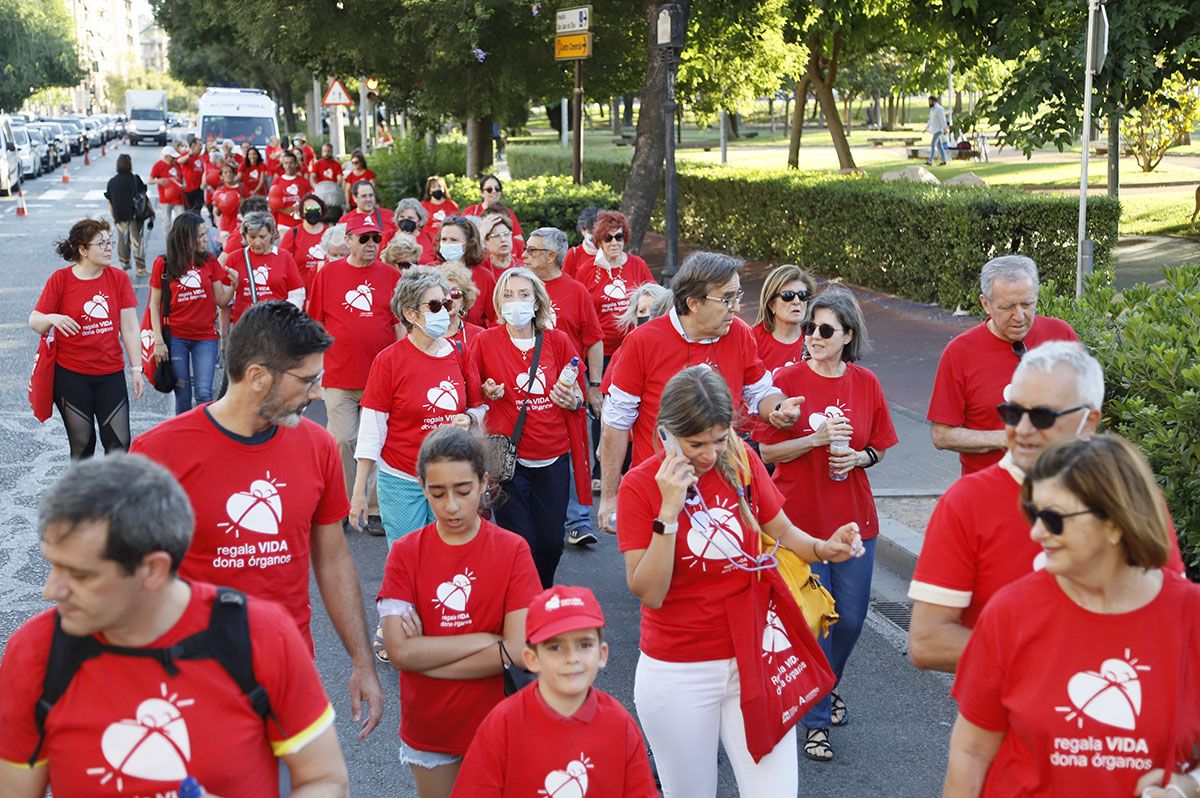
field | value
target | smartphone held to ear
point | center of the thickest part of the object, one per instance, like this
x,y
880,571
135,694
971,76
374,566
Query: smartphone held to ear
x,y
669,444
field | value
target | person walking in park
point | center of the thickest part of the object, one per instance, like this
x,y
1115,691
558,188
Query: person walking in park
x,y
938,129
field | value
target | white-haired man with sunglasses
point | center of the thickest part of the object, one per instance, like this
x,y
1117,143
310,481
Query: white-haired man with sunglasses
x,y
978,538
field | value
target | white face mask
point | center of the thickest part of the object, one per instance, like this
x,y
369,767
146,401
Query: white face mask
x,y
518,314
451,251
436,324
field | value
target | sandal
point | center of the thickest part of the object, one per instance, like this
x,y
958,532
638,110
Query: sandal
x,y
379,647
838,715
816,745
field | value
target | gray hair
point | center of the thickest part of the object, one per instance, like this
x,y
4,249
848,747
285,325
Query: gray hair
x,y
699,271
412,286
587,219
658,307
554,239
541,303
843,304
402,248
257,220
1010,269
415,204
1089,376
142,505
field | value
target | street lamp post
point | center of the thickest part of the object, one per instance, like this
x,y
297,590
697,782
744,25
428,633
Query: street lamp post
x,y
1097,48
670,33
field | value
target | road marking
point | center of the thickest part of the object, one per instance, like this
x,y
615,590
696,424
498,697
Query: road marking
x,y
53,194
94,196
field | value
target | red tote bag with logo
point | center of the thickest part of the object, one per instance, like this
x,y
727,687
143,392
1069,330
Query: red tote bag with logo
x,y
782,671
41,382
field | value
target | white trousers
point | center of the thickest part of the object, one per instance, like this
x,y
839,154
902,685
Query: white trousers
x,y
686,708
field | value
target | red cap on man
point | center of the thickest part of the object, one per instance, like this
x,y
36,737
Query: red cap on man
x,y
364,224
562,609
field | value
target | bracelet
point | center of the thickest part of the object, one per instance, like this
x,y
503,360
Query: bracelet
x,y
872,454
593,384
1175,788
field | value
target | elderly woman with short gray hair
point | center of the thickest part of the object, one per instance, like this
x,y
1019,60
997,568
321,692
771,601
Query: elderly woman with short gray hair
x,y
415,385
264,272
410,218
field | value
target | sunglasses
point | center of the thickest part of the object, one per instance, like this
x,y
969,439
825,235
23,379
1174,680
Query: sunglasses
x,y
614,237
1039,417
492,190
792,296
499,236
1051,519
436,305
1018,349
455,295
365,237
826,331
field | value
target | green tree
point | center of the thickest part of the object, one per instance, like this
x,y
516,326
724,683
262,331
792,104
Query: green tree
x,y
38,49
1160,124
180,97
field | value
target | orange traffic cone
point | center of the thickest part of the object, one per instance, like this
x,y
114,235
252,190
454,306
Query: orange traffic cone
x,y
21,209
86,160
66,177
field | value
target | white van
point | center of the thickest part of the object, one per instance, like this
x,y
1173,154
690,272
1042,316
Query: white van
x,y
10,159
238,114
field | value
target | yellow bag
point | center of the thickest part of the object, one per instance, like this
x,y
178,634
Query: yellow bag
x,y
815,601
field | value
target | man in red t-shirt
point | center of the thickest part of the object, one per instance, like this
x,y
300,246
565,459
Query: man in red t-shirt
x,y
978,538
286,192
126,721
327,177
977,364
352,299
307,153
366,205
266,485
191,165
701,329
167,175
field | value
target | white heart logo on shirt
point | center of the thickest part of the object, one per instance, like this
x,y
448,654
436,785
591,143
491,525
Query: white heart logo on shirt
x,y
360,298
570,782
774,637
715,535
96,307
258,509
815,420
439,215
147,338
536,387
316,252
453,595
154,746
443,395
1113,695
190,279
616,289
262,275
292,190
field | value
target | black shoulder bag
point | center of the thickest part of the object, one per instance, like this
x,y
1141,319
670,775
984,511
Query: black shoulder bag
x,y
504,447
164,373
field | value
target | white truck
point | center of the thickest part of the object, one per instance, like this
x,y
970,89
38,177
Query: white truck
x,y
238,114
146,115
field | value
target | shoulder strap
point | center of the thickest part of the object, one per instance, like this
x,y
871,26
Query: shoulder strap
x,y
519,427
250,274
165,310
67,655
229,644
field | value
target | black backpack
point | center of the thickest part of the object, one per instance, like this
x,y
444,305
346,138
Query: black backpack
x,y
226,640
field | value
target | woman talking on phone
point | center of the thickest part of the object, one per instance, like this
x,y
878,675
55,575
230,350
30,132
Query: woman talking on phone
x,y
688,523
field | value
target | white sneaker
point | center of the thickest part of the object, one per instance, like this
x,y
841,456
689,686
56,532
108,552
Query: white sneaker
x,y
581,537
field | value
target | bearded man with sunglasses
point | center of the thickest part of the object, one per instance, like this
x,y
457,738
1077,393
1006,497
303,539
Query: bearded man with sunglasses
x,y
978,539
977,364
352,298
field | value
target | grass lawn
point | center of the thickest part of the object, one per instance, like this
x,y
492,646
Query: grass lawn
x,y
1164,212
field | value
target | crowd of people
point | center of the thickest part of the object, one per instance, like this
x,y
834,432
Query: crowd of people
x,y
484,385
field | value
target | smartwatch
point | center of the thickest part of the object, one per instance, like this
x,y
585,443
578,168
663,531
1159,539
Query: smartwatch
x,y
665,529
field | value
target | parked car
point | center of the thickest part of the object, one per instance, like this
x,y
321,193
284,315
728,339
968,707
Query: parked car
x,y
57,139
92,130
31,163
10,159
46,150
76,136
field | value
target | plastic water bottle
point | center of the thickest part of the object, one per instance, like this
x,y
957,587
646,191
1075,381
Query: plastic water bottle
x,y
839,446
190,788
569,375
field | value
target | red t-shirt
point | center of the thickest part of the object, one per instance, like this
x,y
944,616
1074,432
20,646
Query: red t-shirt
x,y
774,353
271,159
1088,703
971,375
691,625
576,255
286,192
494,355
252,176
193,309
816,503
513,263
419,393
233,243
518,234
191,167
572,311
483,312
597,752
610,289
384,219
127,727
355,306
96,305
169,193
977,542
353,177
275,276
326,170
273,493
438,212
306,250
456,590
429,247
658,351
462,340
226,200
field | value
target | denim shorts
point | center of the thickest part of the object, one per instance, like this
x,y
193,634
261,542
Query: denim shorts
x,y
425,759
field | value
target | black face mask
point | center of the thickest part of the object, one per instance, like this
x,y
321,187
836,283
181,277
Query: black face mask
x,y
407,225
313,215
642,320
437,194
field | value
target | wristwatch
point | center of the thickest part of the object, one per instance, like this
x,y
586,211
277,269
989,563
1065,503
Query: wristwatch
x,y
665,529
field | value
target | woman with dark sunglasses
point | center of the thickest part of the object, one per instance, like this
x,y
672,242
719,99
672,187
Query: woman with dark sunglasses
x,y
498,243
492,192
1079,679
782,307
463,295
820,467
611,275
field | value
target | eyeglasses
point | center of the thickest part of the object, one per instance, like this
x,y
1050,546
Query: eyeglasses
x,y
792,296
365,237
500,236
537,249
614,237
1051,519
729,302
309,384
492,190
826,331
104,243
436,305
1018,348
1039,417
455,295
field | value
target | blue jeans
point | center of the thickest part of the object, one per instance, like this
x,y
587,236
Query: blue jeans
x,y
850,584
194,363
938,144
578,516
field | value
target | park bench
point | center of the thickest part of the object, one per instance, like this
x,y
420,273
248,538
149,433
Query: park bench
x,y
877,142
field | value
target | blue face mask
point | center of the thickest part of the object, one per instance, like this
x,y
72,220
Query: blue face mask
x,y
450,251
436,324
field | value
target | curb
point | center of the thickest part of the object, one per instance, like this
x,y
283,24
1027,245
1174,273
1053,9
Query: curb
x,y
898,547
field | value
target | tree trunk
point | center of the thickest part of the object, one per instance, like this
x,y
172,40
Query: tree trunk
x,y
787,115
471,126
798,123
731,119
958,103
1114,156
615,115
646,170
823,77
484,156
890,123
627,117
284,90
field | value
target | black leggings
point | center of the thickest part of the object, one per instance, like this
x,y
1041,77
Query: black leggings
x,y
83,400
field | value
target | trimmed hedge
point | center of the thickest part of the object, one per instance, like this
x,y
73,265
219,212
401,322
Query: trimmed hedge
x,y
1148,341
402,170
923,242
547,201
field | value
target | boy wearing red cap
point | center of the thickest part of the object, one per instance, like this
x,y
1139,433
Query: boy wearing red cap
x,y
587,743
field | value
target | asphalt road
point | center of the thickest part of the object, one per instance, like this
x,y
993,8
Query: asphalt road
x,y
894,745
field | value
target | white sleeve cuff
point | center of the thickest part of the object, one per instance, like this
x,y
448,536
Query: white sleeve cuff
x,y
936,594
478,413
372,432
387,607
620,409
753,394
296,298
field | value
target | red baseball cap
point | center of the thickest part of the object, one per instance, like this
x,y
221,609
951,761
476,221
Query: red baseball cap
x,y
364,224
562,609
